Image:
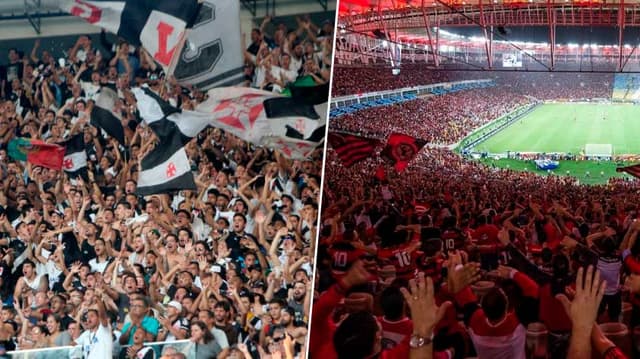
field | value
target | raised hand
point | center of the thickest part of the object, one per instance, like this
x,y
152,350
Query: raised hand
x,y
424,311
583,309
459,276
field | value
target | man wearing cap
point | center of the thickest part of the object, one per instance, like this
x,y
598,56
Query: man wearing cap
x,y
173,326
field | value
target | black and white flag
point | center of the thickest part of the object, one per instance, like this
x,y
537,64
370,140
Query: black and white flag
x,y
196,41
157,25
293,125
103,116
75,157
166,168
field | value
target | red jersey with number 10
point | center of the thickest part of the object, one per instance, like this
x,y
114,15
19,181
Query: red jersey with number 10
x,y
402,259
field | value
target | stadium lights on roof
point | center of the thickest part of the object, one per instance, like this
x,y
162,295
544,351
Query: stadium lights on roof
x,y
594,46
627,46
572,46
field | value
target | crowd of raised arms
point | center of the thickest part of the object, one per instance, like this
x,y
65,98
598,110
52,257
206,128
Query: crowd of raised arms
x,y
89,263
501,250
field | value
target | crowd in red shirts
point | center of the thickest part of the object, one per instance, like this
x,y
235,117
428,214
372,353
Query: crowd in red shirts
x,y
441,119
503,250
541,85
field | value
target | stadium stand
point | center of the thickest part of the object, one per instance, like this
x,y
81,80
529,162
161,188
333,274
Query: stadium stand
x,y
220,272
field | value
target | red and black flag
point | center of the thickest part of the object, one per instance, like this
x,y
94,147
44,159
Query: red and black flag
x,y
633,170
401,149
351,148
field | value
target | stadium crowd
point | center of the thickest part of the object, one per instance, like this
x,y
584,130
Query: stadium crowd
x,y
540,85
225,269
443,119
501,248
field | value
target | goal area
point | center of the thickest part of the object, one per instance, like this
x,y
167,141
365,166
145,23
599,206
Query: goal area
x,y
598,150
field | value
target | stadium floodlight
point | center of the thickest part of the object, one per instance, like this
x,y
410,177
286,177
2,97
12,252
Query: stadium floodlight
x,y
585,46
572,46
594,46
627,46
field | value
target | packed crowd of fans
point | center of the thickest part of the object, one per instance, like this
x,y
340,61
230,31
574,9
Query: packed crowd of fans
x,y
540,85
441,119
456,221
89,263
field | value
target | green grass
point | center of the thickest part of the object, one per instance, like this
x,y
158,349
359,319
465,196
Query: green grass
x,y
577,169
568,127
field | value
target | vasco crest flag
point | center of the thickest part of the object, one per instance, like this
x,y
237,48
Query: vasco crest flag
x,y
36,152
75,157
401,149
166,168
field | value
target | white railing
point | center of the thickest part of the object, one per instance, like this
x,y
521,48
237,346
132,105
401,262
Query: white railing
x,y
75,352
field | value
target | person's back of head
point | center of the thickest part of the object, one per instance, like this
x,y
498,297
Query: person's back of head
x,y
392,303
608,246
357,336
494,304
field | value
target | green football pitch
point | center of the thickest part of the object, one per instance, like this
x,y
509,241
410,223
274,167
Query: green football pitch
x,y
568,128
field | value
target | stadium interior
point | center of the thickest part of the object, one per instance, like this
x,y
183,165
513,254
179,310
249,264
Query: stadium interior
x,y
485,134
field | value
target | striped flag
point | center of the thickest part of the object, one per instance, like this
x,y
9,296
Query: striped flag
x,y
351,148
75,157
103,116
157,25
633,170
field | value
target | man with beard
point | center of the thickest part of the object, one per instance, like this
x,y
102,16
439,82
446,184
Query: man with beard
x,y
222,321
58,307
298,301
291,326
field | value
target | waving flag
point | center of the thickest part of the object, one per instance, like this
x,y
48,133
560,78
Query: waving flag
x,y
166,168
401,149
196,41
157,25
351,148
294,125
36,152
75,157
103,116
633,170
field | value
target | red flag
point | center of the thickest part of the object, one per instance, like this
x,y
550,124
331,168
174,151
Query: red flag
x,y
633,170
350,148
401,149
37,152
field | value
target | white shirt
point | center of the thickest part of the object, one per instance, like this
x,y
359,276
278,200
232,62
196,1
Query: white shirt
x,y
98,345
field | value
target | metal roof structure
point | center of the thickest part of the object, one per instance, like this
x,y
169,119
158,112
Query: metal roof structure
x,y
418,24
